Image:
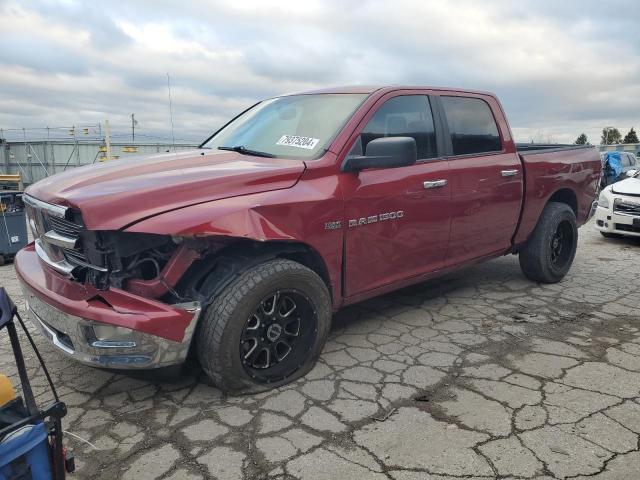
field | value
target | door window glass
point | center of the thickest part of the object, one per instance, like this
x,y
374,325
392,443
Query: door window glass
x,y
471,125
404,116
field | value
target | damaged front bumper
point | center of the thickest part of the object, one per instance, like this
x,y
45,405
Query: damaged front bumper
x,y
109,329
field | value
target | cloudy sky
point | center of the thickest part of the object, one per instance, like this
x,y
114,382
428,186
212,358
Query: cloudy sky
x,y
560,67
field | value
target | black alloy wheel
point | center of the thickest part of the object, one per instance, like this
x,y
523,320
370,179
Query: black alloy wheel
x,y
561,244
278,335
550,249
265,329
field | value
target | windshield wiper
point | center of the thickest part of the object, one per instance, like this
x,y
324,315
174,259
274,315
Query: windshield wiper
x,y
246,151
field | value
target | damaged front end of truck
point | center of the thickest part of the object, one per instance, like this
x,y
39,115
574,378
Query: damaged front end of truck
x,y
132,299
111,297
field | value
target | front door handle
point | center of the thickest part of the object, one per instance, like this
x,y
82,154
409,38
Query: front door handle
x,y
509,173
435,183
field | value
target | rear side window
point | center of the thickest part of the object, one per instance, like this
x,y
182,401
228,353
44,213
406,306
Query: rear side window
x,y
471,125
626,160
404,116
629,161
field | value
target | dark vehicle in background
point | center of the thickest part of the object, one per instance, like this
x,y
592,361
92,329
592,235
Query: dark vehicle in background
x,y
240,251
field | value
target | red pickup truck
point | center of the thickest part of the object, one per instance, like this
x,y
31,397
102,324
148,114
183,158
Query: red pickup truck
x,y
238,252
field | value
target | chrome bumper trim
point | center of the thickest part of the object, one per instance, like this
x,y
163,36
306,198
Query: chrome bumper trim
x,y
71,335
63,241
60,266
626,214
55,210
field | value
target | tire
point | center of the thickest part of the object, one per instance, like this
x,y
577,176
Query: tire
x,y
237,318
2,260
611,235
549,252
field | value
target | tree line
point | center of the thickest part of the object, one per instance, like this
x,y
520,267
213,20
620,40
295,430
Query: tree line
x,y
610,136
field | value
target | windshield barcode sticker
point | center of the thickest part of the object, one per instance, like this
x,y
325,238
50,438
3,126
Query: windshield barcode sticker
x,y
298,142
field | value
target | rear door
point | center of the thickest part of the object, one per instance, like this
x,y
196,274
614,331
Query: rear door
x,y
396,219
486,177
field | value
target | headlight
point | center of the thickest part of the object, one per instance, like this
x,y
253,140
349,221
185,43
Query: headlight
x,y
603,201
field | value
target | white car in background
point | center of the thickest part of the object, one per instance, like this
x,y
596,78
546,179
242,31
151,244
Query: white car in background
x,y
618,211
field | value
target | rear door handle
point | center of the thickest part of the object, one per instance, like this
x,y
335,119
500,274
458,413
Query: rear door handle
x,y
509,173
435,183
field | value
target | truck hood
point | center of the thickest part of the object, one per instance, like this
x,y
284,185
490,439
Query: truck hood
x,y
628,186
112,195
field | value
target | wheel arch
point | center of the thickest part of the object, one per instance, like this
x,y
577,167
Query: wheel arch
x,y
567,196
227,262
564,195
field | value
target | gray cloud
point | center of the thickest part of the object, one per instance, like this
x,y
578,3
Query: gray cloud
x,y
560,68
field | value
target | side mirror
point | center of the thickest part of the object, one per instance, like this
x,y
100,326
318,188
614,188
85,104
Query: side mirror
x,y
631,173
387,152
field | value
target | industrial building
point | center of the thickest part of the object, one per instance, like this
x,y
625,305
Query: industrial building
x,y
35,160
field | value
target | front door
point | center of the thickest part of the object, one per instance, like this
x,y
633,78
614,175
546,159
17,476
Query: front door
x,y
396,219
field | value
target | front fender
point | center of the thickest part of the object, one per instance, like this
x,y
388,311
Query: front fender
x,y
239,217
300,214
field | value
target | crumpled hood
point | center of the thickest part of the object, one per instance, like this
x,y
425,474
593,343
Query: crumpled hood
x,y
628,186
112,195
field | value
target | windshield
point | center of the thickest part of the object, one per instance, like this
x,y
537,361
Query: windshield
x,y
296,126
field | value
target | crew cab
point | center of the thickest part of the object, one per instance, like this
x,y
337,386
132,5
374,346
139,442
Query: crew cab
x,y
238,252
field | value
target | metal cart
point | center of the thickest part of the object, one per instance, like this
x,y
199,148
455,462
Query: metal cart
x,y
30,438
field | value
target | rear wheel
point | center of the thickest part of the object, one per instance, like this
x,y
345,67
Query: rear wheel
x,y
548,254
265,329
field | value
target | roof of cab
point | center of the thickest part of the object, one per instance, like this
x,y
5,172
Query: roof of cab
x,y
369,89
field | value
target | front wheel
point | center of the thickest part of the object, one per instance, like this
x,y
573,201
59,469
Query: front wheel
x,y
265,329
611,235
548,254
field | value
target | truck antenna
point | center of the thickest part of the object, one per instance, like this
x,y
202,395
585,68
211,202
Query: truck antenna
x,y
173,139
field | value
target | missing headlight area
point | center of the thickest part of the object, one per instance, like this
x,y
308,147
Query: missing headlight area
x,y
149,265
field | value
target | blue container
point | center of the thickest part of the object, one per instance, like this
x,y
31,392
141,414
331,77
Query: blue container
x,y
24,452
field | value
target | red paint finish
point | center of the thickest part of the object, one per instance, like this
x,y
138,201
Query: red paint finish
x,y
546,173
480,214
120,192
485,205
297,214
387,251
114,306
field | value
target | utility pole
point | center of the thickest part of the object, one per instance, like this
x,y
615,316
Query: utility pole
x,y
133,127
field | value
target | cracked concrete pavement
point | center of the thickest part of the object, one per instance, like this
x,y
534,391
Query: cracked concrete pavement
x,y
480,374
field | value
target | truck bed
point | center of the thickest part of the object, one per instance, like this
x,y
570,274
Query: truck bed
x,y
572,171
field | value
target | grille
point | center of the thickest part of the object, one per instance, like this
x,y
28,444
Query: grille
x,y
71,230
58,232
65,227
627,228
627,208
